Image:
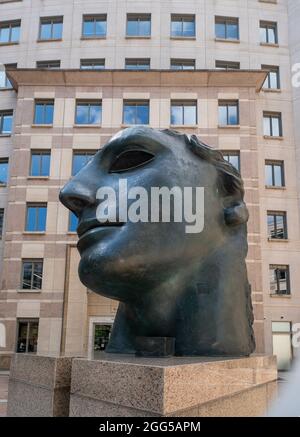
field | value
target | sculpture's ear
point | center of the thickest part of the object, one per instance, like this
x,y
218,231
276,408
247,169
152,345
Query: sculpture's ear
x,y
236,214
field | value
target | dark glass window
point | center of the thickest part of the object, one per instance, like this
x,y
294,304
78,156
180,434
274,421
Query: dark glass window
x,y
272,124
183,64
101,338
92,64
36,217
228,113
137,64
1,222
51,28
27,336
274,173
227,28
184,112
233,158
268,32
80,159
183,26
49,65
277,225
44,111
73,222
10,31
32,274
273,80
280,280
136,112
138,25
40,163
94,26
6,120
88,113
227,65
3,171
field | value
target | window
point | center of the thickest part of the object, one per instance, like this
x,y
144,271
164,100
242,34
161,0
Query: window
x,y
36,217
80,159
94,26
101,337
1,222
282,344
277,228
32,274
40,163
6,119
51,28
272,124
4,81
274,174
88,112
27,336
92,64
73,222
280,280
233,158
49,65
227,28
10,32
136,112
272,81
137,64
138,25
183,64
268,32
184,112
228,113
44,111
227,65
3,171
183,26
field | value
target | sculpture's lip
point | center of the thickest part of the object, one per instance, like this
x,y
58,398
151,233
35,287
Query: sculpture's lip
x,y
94,235
88,225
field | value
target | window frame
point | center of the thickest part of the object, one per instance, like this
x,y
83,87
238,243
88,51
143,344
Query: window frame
x,y
227,104
44,103
227,65
40,152
267,25
141,61
229,153
136,103
85,153
139,18
272,69
274,164
281,267
37,206
274,215
92,62
47,65
32,261
94,19
29,321
51,20
226,21
10,25
6,113
5,161
183,104
272,116
89,104
183,18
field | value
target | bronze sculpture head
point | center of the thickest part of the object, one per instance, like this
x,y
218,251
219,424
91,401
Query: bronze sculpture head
x,y
189,286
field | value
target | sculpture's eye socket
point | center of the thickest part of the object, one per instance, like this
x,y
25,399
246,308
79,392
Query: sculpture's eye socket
x,y
130,159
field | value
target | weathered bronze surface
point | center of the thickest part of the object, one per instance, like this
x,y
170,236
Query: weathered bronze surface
x,y
192,287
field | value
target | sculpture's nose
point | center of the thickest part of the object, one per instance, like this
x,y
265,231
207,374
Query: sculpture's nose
x,y
77,196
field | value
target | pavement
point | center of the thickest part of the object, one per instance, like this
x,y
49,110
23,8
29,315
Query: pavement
x,y
3,392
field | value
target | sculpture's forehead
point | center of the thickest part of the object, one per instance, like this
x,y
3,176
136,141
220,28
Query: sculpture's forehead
x,y
144,135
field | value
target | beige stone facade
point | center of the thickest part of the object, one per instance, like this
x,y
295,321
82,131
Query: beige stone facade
x,y
66,311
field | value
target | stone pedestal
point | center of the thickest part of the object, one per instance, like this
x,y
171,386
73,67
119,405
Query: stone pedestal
x,y
128,386
39,386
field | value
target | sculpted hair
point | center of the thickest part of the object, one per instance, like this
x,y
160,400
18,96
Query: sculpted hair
x,y
230,182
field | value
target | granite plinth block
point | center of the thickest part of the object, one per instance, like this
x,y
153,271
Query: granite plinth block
x,y
132,386
39,386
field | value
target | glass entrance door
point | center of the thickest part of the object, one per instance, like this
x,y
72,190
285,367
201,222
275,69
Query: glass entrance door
x,y
101,337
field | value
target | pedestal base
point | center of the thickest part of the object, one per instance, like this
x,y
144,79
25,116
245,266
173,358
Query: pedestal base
x,y
39,386
117,386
